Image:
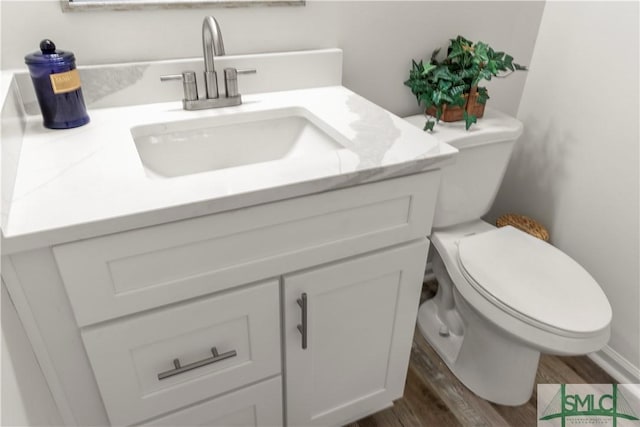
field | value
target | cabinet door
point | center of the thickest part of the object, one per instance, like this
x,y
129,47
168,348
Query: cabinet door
x,y
360,317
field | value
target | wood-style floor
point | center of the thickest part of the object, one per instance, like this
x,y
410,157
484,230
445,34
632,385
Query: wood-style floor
x,y
433,397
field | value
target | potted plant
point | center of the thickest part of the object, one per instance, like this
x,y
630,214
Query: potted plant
x,y
449,89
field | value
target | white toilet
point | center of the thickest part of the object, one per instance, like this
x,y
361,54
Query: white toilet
x,y
503,296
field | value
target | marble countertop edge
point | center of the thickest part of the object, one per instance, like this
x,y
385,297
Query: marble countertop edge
x,y
51,237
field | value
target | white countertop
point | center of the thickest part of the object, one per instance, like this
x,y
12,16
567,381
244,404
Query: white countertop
x,y
88,181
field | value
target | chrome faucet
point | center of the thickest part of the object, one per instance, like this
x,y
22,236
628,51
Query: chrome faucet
x,y
212,46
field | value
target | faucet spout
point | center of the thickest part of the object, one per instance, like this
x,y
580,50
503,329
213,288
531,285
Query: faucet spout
x,y
212,46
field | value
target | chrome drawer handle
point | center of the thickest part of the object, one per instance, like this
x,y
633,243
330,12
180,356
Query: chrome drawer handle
x,y
302,302
208,361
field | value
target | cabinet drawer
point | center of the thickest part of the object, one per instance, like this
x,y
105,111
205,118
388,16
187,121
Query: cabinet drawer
x,y
124,273
128,355
259,405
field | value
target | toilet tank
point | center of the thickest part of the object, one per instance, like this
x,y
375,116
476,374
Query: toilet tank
x,y
469,186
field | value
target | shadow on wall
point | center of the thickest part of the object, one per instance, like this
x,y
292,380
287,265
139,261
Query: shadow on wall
x,y
536,173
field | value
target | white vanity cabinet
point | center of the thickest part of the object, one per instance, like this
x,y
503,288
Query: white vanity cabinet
x,y
349,328
106,315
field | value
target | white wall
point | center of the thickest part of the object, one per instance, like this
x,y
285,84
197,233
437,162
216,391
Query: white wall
x,y
379,38
576,167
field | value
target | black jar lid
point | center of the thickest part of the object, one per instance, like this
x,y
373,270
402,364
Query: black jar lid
x,y
48,54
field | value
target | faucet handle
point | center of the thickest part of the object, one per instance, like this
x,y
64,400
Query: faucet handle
x,y
189,85
231,80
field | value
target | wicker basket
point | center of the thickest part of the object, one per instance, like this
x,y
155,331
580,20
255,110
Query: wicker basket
x,y
456,113
524,223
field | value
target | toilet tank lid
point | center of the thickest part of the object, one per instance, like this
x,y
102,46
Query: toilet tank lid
x,y
533,278
494,126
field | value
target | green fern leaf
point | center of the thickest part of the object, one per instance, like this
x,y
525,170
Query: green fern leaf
x,y
469,119
428,126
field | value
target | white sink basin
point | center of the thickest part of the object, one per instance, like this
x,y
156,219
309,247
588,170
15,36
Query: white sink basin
x,y
206,144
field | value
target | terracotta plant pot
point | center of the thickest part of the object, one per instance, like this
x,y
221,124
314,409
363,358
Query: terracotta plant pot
x,y
454,114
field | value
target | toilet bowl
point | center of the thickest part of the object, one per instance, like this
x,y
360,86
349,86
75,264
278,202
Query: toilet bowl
x,y
503,296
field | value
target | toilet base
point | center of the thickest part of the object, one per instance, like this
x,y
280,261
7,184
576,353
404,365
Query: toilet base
x,y
493,365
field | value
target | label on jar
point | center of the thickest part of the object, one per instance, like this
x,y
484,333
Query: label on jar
x,y
65,82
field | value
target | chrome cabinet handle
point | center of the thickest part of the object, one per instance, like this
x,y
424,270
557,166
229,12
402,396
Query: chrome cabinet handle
x,y
302,302
208,361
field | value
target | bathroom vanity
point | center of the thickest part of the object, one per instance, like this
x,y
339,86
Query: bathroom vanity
x,y
277,287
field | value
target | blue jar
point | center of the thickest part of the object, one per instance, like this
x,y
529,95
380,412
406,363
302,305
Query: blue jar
x,y
57,84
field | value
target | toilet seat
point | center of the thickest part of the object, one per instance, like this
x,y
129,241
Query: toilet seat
x,y
533,282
